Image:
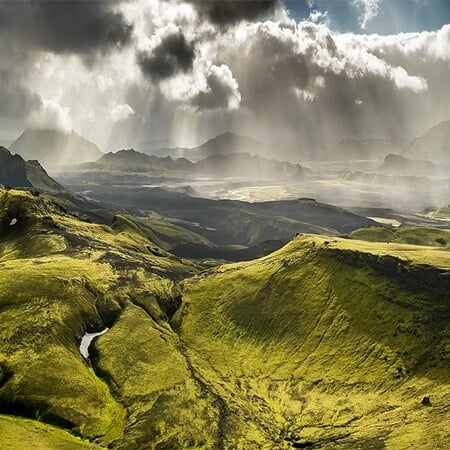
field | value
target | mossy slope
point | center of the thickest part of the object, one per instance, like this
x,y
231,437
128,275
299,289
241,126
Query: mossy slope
x,y
326,343
25,434
59,278
427,236
323,344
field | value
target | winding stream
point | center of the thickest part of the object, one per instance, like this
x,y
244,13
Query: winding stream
x,y
87,340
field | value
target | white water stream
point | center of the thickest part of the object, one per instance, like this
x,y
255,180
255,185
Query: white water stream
x,y
87,340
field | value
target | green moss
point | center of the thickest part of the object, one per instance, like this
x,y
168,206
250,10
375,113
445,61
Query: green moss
x,y
442,213
329,341
144,366
316,333
39,331
24,434
426,236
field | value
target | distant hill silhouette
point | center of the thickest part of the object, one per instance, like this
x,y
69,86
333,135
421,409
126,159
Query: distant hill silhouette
x,y
16,172
433,145
53,148
223,144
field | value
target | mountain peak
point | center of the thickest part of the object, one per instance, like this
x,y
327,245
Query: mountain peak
x,y
54,147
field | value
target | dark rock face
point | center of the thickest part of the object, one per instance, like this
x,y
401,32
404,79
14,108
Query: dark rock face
x,y
12,169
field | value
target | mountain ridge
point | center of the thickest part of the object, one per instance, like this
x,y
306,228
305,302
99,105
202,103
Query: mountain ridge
x,y
16,172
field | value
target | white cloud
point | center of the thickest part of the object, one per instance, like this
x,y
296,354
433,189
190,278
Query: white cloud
x,y
286,79
121,112
317,16
53,116
370,9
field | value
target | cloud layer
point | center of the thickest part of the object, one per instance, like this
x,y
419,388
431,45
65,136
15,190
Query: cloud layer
x,y
126,73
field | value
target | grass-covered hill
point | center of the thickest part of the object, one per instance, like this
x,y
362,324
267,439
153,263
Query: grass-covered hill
x,y
326,343
426,236
59,278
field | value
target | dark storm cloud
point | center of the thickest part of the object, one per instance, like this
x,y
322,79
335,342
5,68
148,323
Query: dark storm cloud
x,y
63,26
227,12
16,100
217,96
173,55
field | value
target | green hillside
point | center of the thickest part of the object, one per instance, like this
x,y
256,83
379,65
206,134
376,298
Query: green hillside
x,y
426,236
62,277
24,434
326,343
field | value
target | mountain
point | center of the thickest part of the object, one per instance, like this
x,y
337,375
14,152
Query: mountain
x,y
433,145
131,160
249,166
326,343
13,169
223,144
369,149
227,143
324,331
53,148
399,165
219,166
16,172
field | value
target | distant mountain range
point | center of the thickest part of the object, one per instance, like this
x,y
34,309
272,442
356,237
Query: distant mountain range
x,y
53,148
434,145
16,172
399,165
220,166
223,144
131,160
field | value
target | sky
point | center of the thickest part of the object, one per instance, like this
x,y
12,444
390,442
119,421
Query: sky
x,y
161,73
